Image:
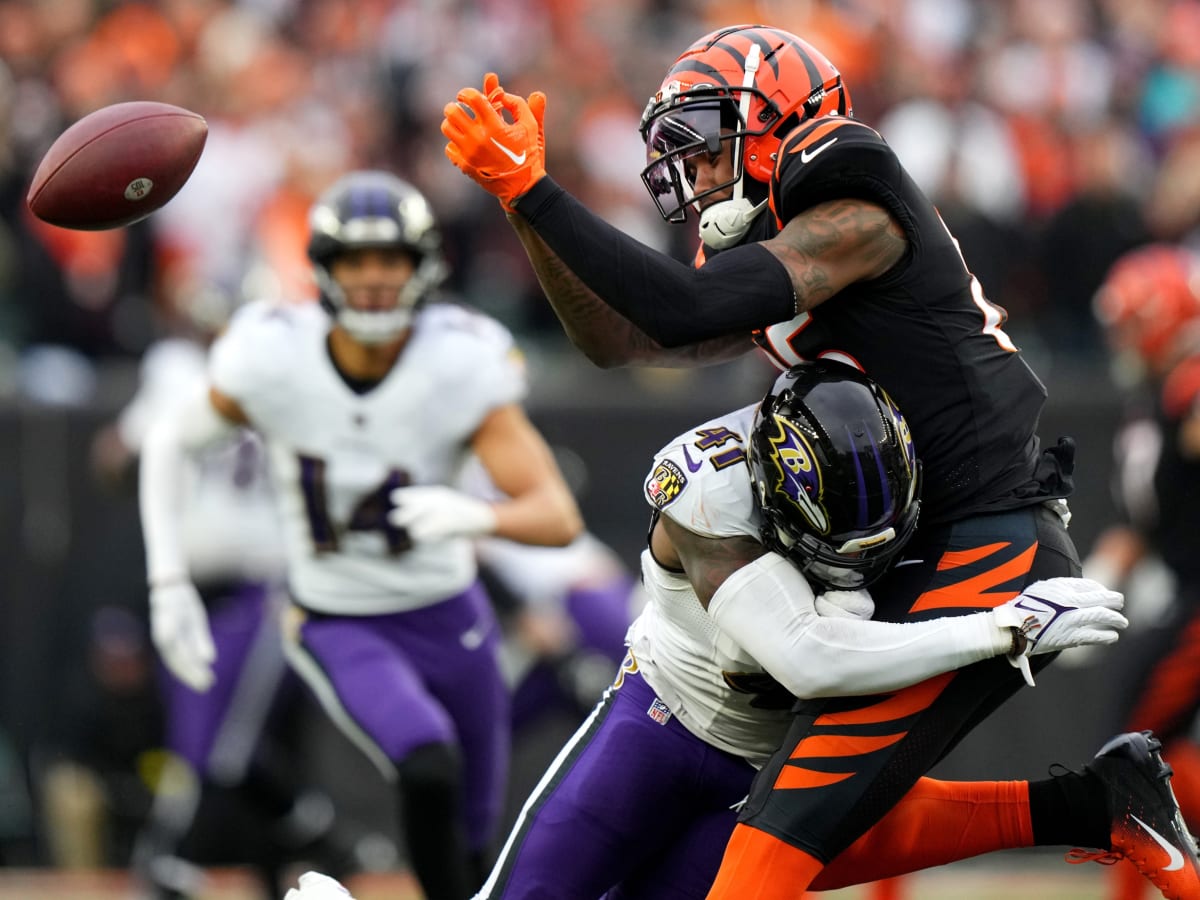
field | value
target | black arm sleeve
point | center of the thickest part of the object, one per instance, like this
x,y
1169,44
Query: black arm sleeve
x,y
738,290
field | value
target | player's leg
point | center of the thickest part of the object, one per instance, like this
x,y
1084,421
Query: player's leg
x,y
209,735
378,699
1165,700
613,801
847,761
455,649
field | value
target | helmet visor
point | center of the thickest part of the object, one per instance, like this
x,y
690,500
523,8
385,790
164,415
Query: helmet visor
x,y
680,134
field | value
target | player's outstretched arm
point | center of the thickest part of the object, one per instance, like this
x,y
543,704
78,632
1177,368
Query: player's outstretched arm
x,y
539,507
602,334
498,140
769,609
178,621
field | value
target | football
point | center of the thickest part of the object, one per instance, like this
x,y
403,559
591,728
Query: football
x,y
117,165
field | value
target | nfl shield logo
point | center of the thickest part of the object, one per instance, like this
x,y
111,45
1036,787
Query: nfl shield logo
x,y
659,712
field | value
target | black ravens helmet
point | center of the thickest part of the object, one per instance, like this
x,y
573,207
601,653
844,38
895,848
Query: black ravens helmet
x,y
835,474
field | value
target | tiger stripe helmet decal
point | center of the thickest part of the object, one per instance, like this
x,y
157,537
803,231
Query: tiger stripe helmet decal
x,y
718,90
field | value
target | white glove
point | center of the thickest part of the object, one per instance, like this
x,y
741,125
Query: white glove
x,y
437,513
179,627
845,604
1059,613
315,886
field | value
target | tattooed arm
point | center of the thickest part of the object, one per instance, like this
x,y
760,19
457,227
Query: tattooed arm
x,y
585,264
835,244
605,336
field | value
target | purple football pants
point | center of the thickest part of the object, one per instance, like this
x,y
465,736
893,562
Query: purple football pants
x,y
632,807
216,731
396,682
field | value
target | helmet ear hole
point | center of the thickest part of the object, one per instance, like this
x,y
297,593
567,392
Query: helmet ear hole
x,y
784,128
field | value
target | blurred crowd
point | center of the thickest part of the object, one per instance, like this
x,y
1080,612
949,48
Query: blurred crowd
x,y
1053,134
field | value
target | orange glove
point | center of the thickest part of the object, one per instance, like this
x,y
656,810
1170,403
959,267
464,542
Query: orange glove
x,y
505,159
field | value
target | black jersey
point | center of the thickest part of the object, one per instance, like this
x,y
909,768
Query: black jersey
x,y
924,331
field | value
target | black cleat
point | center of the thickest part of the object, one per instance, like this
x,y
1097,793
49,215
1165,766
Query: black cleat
x,y
1146,826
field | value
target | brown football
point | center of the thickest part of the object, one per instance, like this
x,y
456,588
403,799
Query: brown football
x,y
117,165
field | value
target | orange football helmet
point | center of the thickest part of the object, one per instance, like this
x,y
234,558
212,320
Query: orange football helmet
x,y
1149,304
748,85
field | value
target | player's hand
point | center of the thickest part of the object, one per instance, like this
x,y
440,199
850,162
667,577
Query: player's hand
x,y
1059,613
315,886
505,158
845,604
437,513
179,627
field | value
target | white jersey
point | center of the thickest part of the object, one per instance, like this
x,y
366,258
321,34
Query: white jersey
x,y
230,527
336,455
700,481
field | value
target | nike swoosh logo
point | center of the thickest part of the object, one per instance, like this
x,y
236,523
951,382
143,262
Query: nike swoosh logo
x,y
520,160
807,155
687,457
1171,850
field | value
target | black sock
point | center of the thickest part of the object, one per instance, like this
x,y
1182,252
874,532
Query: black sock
x,y
1069,809
430,782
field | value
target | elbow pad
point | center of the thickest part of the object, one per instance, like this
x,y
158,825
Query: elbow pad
x,y
768,608
738,290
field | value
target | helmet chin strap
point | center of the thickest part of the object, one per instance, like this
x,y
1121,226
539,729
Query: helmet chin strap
x,y
372,328
723,224
368,327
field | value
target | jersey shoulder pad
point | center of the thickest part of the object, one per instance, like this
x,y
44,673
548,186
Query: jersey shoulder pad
x,y
701,479
472,349
466,325
830,158
258,344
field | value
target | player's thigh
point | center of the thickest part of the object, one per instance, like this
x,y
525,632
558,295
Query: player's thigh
x,y
620,791
454,648
974,564
368,685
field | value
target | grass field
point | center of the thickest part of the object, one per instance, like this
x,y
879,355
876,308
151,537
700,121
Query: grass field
x,y
1030,876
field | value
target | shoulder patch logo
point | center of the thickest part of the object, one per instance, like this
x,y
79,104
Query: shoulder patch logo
x,y
665,483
